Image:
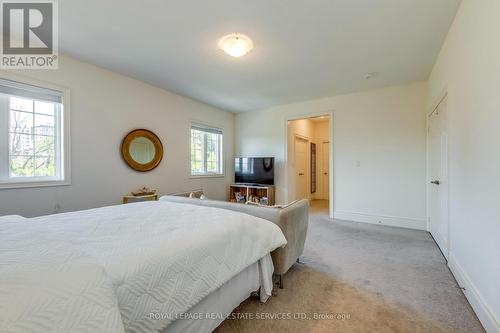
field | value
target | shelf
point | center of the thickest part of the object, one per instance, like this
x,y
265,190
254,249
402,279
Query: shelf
x,y
264,194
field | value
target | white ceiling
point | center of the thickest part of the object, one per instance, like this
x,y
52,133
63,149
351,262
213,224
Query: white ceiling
x,y
304,49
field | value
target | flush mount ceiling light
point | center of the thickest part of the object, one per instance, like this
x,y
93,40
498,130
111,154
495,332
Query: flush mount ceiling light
x,y
236,45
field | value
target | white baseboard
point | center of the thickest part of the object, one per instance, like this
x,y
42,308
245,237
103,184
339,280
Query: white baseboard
x,y
393,221
486,316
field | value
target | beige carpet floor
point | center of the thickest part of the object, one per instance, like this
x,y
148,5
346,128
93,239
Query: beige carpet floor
x,y
341,307
361,278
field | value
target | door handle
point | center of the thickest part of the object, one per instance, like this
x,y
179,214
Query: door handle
x,y
325,173
301,174
435,182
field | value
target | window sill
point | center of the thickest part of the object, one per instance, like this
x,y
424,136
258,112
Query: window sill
x,y
28,184
219,175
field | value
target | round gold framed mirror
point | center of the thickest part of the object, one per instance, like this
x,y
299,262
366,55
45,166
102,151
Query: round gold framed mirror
x,y
142,150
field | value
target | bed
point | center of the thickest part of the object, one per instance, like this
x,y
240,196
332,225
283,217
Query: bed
x,y
142,267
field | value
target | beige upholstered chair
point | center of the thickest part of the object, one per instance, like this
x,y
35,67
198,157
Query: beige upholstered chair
x,y
293,220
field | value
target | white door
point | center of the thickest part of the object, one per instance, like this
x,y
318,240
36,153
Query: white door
x,y
438,174
325,169
301,169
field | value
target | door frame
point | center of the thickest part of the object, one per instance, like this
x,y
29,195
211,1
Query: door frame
x,y
331,154
433,109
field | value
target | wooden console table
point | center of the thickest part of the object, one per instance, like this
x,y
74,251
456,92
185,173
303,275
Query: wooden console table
x,y
252,192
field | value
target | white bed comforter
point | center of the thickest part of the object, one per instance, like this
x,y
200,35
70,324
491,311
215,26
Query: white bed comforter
x,y
108,269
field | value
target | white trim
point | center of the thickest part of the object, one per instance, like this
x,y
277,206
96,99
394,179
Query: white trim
x,y
330,114
303,137
207,175
66,130
28,184
393,221
486,315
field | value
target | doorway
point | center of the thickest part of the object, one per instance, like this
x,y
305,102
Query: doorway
x,y
308,159
438,177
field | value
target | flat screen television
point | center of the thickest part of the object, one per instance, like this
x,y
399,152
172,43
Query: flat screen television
x,y
254,170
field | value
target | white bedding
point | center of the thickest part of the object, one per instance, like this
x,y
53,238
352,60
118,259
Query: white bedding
x,y
149,257
208,314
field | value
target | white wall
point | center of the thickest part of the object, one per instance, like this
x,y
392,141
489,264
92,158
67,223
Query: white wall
x,y
382,129
104,107
468,68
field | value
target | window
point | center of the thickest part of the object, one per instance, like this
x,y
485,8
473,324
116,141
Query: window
x,y
206,150
32,137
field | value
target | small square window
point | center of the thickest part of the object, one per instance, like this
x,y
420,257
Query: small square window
x,y
206,150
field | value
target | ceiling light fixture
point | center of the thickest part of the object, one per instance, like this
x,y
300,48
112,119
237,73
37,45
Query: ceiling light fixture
x,y
236,45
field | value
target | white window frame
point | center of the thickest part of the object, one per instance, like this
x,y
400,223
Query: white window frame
x,y
205,174
64,149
